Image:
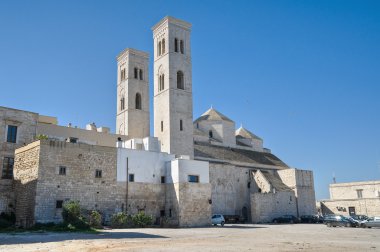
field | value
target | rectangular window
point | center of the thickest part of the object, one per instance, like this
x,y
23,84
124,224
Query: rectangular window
x,y
98,173
141,74
59,204
62,170
73,140
7,168
180,125
12,134
131,178
162,213
175,45
162,126
193,178
163,179
359,193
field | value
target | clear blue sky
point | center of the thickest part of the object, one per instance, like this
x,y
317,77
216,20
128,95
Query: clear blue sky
x,y
303,75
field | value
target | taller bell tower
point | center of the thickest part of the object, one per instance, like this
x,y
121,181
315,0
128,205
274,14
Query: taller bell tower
x,y
132,117
173,99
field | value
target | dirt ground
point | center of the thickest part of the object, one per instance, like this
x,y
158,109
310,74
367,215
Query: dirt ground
x,y
298,237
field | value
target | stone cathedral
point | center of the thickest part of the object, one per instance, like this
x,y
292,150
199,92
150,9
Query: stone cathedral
x,y
187,171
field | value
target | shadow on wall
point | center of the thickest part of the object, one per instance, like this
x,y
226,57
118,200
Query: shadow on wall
x,y
9,239
325,210
25,194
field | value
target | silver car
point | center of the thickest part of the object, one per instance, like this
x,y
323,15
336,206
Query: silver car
x,y
217,219
371,222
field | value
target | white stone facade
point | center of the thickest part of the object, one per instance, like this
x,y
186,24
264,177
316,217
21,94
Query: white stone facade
x,y
173,104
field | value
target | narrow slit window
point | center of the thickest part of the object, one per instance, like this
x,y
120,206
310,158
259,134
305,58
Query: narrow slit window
x,y
175,45
141,74
181,45
180,81
138,101
136,73
180,125
162,126
163,46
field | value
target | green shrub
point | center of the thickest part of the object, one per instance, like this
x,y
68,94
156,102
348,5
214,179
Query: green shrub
x,y
71,214
120,220
142,220
42,137
95,219
71,211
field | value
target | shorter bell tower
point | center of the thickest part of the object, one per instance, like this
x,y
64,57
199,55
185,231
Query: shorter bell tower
x,y
132,117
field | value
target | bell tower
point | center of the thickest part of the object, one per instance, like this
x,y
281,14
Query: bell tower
x,y
173,99
132,116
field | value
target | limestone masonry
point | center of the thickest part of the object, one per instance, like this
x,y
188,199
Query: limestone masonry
x,y
355,198
185,173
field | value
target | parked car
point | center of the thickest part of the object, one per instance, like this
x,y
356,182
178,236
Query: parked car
x,y
218,219
339,221
309,219
285,219
360,217
371,222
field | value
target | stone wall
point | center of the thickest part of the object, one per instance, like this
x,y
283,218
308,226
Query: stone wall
x,y
26,171
266,206
369,207
26,130
369,189
302,182
194,204
231,188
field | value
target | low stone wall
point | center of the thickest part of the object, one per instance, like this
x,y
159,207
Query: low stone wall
x,y
266,206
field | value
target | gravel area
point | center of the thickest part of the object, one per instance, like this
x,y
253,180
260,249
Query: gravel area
x,y
247,237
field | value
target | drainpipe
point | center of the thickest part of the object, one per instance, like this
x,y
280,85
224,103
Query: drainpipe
x,y
126,185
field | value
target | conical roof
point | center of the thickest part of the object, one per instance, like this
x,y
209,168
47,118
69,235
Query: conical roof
x,y
213,115
246,133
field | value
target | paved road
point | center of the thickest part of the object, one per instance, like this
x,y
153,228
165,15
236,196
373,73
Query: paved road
x,y
298,237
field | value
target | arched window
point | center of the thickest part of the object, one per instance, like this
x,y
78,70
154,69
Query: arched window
x,y
161,82
141,74
175,45
180,81
136,73
163,46
180,125
159,48
182,47
138,101
210,133
122,103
